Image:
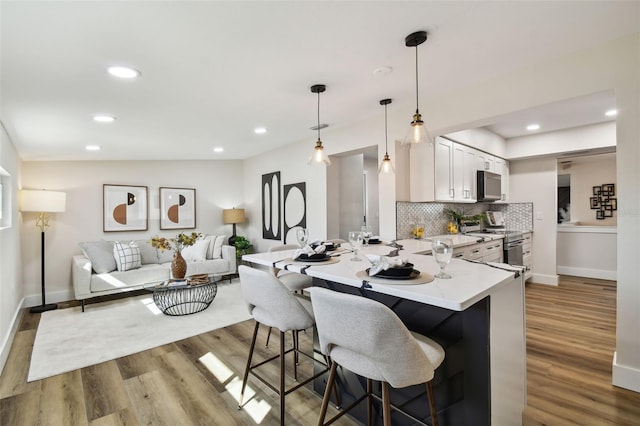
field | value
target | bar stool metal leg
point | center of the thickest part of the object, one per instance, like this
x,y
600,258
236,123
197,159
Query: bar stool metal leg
x,y
432,404
247,368
282,389
327,393
386,404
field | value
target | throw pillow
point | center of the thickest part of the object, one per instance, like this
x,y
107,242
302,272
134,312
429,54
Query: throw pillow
x,y
165,256
100,253
217,247
127,255
196,252
148,252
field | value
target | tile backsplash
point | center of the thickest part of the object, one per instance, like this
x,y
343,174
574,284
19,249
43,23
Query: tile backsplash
x,y
518,216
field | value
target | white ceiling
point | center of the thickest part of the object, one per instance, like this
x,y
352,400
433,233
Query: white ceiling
x,y
213,70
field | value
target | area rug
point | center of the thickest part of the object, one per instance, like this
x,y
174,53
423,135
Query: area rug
x,y
69,339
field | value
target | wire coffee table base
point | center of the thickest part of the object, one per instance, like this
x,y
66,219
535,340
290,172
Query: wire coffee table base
x,y
184,300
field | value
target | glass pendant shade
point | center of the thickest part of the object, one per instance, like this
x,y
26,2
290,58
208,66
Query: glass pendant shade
x,y
319,155
386,166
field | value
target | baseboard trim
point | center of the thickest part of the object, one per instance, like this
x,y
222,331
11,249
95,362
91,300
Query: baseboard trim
x,y
624,376
544,279
51,297
8,339
588,273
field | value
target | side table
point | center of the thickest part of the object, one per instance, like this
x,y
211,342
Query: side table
x,y
184,299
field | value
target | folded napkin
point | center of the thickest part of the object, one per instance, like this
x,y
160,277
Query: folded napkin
x,y
382,263
308,251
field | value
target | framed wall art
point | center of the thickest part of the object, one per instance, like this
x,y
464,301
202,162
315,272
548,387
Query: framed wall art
x,y
125,208
295,209
271,214
177,208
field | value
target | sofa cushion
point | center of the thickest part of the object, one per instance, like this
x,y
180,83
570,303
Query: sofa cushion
x,y
148,253
196,252
144,276
127,255
215,246
210,267
165,256
100,253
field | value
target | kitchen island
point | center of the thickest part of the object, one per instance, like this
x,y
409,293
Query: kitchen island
x,y
477,316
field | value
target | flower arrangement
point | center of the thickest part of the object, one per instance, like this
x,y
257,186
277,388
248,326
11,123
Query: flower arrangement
x,y
176,244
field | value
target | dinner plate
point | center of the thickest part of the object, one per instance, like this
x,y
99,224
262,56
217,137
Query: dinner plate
x,y
304,258
414,274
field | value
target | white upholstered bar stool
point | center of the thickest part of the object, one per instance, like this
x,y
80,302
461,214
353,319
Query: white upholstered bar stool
x,y
368,338
272,304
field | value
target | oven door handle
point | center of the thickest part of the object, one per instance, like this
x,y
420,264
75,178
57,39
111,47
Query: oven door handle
x,y
515,244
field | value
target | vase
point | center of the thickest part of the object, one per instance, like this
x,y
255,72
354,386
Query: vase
x,y
178,266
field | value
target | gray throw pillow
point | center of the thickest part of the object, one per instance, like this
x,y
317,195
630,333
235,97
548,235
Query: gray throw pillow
x,y
100,253
147,251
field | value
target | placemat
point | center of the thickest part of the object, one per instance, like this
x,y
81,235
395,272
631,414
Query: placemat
x,y
302,262
423,278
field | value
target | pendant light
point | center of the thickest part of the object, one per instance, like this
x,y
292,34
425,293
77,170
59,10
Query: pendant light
x,y
319,156
386,166
417,132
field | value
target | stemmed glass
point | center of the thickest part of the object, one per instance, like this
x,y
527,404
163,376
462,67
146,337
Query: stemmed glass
x,y
366,234
355,240
442,249
302,235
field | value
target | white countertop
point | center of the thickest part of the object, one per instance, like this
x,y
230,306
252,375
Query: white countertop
x,y
470,281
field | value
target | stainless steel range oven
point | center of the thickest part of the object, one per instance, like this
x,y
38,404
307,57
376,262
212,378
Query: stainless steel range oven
x,y
512,246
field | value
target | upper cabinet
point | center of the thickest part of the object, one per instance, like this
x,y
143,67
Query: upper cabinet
x,y
446,171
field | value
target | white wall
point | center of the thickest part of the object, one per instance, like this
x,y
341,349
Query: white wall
x,y
481,139
535,181
11,289
596,136
218,185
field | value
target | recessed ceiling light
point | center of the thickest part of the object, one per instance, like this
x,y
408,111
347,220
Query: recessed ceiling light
x,y
532,127
104,118
611,113
218,149
123,72
93,148
260,130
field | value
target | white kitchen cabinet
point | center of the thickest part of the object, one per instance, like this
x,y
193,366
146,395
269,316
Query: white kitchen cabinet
x,y
485,162
444,170
454,171
527,254
488,251
502,168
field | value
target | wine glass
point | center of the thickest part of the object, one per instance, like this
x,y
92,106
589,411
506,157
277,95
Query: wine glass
x,y
355,239
366,234
302,235
442,249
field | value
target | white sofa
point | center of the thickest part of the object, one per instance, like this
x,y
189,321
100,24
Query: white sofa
x,y
95,272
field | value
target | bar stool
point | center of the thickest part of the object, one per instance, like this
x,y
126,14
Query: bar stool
x,y
368,338
292,280
272,304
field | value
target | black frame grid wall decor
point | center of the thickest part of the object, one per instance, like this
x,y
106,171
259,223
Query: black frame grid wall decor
x,y
604,201
271,213
295,207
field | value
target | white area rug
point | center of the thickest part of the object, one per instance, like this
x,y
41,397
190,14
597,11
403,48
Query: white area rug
x,y
68,339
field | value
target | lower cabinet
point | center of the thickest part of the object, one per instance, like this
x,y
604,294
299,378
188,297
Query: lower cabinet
x,y
489,251
527,252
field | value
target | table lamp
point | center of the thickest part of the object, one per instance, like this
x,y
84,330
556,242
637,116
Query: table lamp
x,y
233,216
42,202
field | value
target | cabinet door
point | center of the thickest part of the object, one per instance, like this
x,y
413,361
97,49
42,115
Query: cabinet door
x,y
502,168
485,162
458,172
443,170
469,162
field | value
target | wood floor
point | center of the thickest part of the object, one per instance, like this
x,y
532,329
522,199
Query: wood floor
x,y
570,342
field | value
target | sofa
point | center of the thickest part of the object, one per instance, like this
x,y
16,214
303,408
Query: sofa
x,y
108,267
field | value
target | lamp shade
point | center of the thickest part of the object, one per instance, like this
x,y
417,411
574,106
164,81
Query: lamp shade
x,y
233,216
42,201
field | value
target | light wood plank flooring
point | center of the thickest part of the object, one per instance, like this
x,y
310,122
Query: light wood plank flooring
x,y
570,341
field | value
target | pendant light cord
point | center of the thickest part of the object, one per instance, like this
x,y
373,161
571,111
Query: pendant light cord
x,y
417,79
318,115
386,146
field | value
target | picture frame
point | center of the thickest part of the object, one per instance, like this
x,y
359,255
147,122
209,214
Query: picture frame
x,y
597,190
125,208
600,215
177,208
295,209
608,189
271,213
595,203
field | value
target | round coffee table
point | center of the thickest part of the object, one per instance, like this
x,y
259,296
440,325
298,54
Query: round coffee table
x,y
184,299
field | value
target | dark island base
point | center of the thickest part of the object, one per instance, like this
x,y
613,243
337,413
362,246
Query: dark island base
x,y
461,383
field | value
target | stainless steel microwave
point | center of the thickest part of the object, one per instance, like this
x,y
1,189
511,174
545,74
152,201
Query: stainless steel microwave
x,y
489,186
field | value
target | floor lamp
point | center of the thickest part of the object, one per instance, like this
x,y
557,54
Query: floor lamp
x,y
42,202
233,216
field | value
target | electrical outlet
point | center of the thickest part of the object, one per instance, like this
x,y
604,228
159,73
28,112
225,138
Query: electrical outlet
x,y
539,216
